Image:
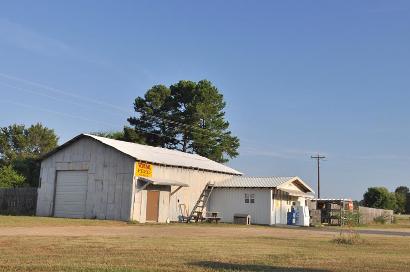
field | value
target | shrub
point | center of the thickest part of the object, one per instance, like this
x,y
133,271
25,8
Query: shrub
x,y
9,178
380,220
394,220
351,218
348,237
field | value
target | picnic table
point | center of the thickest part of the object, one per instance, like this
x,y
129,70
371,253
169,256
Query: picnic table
x,y
212,217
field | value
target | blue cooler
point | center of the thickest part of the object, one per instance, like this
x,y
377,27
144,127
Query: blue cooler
x,y
292,217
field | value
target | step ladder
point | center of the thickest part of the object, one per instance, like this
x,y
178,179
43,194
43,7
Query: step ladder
x,y
197,212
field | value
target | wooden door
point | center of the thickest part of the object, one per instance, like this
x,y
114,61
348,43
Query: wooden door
x,y
152,206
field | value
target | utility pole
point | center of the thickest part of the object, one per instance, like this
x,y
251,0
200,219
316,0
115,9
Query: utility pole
x,y
318,157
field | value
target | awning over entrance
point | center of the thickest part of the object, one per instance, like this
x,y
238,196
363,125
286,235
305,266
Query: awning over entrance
x,y
159,181
297,193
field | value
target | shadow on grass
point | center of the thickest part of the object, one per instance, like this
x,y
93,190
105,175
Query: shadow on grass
x,y
219,266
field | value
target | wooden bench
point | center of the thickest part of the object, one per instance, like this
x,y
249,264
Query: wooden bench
x,y
212,217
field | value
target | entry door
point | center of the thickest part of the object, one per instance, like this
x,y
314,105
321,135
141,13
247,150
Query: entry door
x,y
71,194
152,206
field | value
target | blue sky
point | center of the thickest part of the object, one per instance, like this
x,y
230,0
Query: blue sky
x,y
299,77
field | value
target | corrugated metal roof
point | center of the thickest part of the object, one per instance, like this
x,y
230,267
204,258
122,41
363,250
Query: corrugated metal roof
x,y
254,182
164,156
297,193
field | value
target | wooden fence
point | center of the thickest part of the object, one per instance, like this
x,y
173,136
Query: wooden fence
x,y
367,215
18,201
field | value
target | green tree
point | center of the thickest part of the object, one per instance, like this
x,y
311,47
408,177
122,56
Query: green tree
x,y
21,148
116,135
408,203
401,198
188,116
127,134
9,178
379,197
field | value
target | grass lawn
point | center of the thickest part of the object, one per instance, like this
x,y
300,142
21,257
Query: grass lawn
x,y
49,244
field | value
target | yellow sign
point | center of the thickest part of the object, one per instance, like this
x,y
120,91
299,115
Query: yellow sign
x,y
143,169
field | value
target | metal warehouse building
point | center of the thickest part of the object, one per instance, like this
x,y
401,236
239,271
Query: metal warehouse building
x,y
96,177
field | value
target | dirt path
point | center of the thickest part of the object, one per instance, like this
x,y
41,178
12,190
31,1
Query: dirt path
x,y
387,232
157,231
181,230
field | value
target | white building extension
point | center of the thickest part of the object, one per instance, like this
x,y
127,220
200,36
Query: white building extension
x,y
96,177
267,200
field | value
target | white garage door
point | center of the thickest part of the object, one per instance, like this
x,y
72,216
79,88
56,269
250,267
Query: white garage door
x,y
71,194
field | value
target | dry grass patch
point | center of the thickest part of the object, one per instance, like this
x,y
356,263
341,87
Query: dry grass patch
x,y
199,248
193,254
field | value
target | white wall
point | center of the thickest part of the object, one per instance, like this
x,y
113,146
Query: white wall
x,y
282,204
229,201
139,211
196,179
110,175
112,192
270,207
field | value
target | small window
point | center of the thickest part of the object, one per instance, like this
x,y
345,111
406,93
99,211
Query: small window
x,y
249,198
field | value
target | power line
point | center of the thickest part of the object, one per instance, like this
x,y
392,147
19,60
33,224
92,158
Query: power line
x,y
43,95
55,112
85,119
101,103
74,103
318,157
59,91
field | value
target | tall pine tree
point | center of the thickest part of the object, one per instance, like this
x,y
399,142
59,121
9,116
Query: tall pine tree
x,y
188,116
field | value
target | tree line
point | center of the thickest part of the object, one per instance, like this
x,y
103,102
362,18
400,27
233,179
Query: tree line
x,y
382,198
21,148
187,116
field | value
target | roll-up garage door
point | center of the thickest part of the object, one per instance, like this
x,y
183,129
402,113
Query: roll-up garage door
x,y
71,194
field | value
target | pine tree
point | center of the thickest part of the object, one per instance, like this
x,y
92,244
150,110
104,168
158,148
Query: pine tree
x,y
188,116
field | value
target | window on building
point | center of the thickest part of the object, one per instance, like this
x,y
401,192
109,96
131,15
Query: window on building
x,y
249,198
246,198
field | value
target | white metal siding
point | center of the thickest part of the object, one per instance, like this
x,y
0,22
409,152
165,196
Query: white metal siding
x,y
110,179
229,201
71,194
111,189
188,196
